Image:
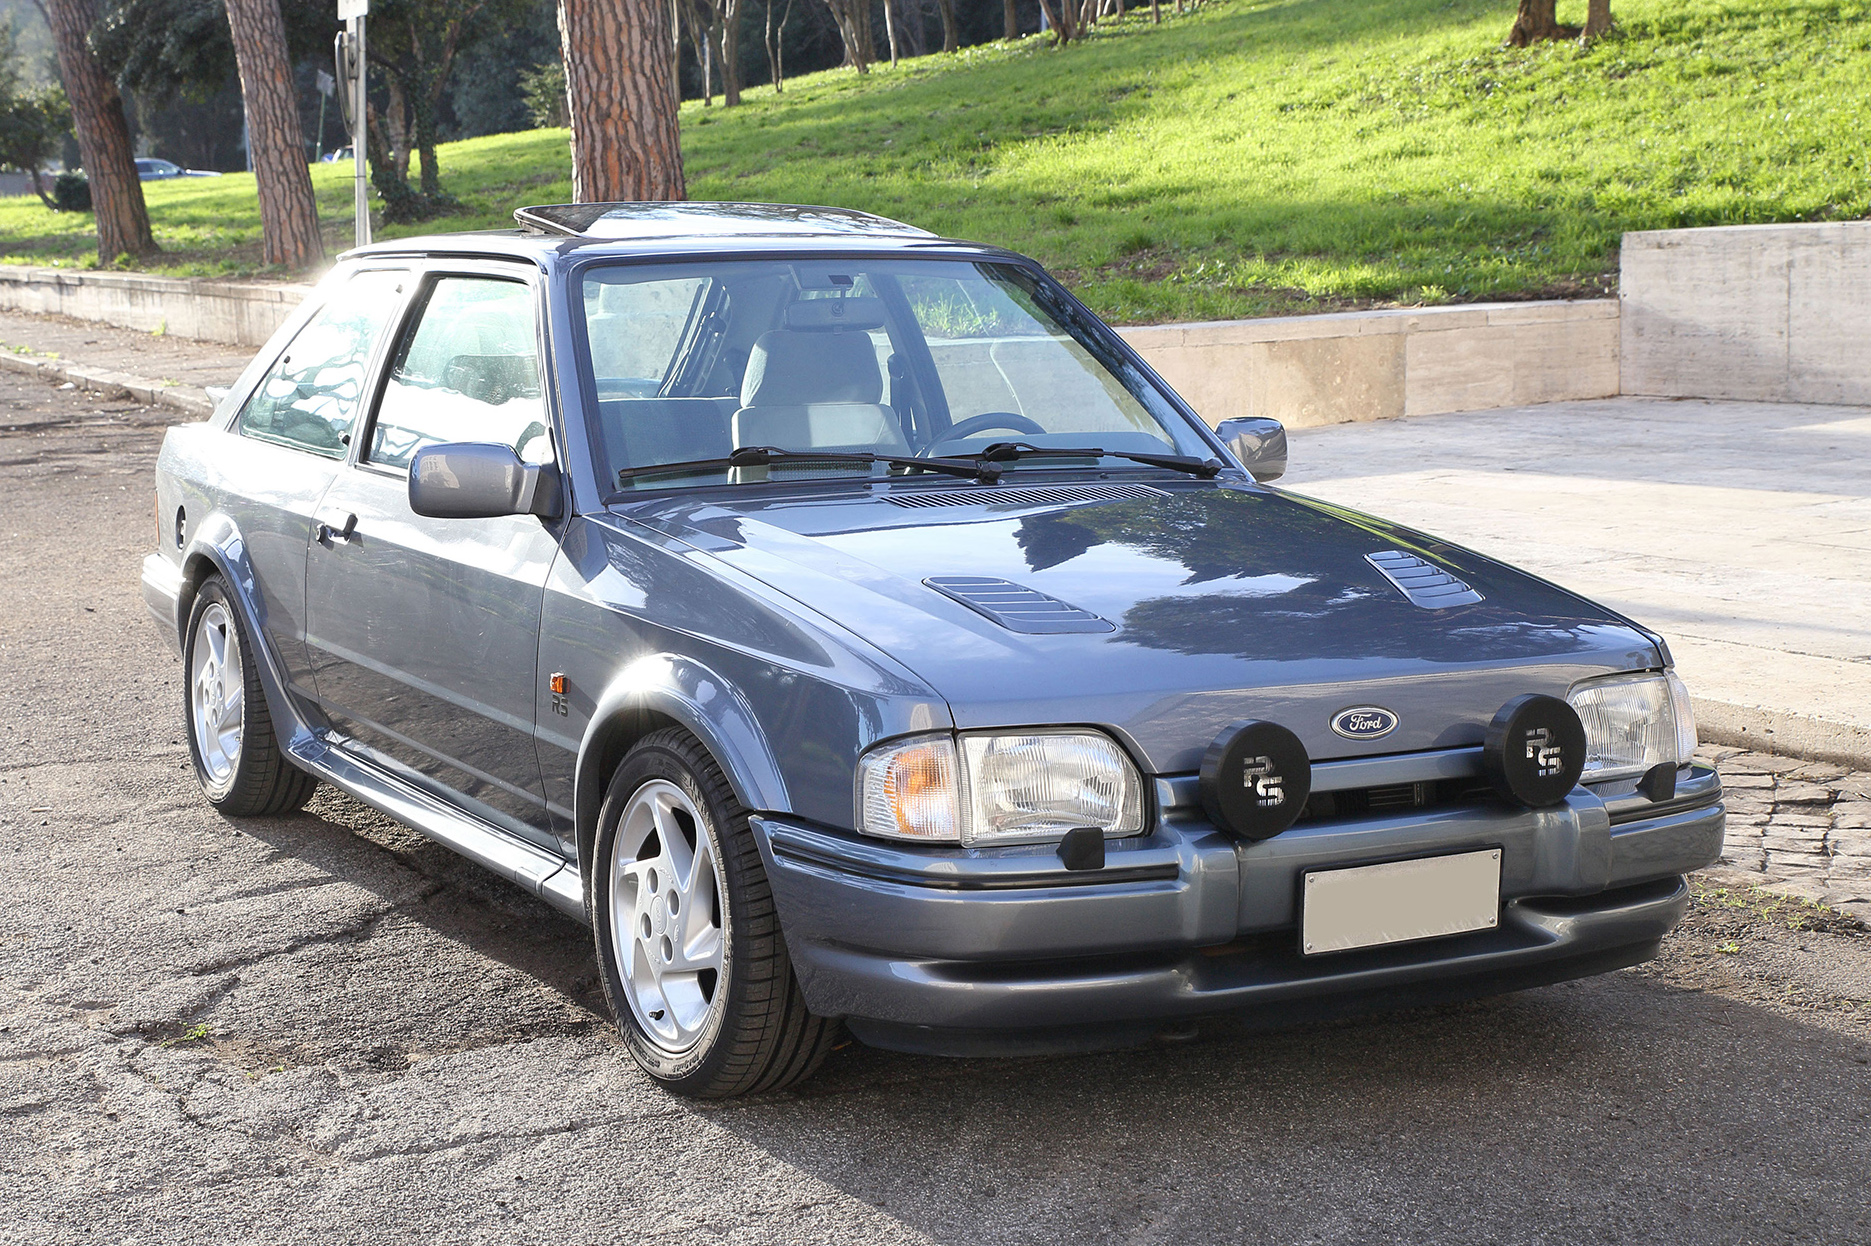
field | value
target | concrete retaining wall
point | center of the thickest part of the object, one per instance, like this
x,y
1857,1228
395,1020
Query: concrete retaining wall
x,y
1303,370
1311,370
1776,313
215,311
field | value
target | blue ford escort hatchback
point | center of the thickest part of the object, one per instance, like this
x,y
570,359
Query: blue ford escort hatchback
x,y
853,631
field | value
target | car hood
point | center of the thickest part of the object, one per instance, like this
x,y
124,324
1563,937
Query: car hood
x,y
1224,601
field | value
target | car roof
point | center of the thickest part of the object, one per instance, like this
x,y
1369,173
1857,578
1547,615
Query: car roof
x,y
668,230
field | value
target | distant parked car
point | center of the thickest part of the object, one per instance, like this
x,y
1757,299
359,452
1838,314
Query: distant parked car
x,y
849,626
150,169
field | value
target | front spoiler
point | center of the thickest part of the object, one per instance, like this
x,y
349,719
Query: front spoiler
x,y
966,953
1265,981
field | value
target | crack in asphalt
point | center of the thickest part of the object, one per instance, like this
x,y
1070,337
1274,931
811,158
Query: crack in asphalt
x,y
357,931
516,1137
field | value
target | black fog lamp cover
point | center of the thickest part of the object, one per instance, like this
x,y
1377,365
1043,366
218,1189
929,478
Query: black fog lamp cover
x,y
1256,777
1534,751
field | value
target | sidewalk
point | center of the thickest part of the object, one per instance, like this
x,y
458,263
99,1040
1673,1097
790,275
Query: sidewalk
x,y
1741,531
149,367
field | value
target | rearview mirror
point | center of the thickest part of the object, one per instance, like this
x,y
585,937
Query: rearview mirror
x,y
475,480
1260,444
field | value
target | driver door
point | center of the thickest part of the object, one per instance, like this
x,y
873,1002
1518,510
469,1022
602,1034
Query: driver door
x,y
424,633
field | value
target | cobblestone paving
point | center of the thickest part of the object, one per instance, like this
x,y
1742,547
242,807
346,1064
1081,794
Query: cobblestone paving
x,y
1800,827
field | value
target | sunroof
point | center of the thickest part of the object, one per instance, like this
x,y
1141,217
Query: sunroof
x,y
684,220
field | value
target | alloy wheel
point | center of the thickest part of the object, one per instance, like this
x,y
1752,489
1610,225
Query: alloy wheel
x,y
217,695
666,915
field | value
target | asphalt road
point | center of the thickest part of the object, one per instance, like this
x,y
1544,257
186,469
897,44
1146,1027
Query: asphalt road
x,y
322,1027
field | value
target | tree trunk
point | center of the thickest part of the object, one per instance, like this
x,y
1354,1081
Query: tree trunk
x,y
103,135
423,139
950,39
1597,20
730,52
396,123
1009,20
1156,12
675,48
1063,27
912,23
890,29
400,203
1536,23
625,143
38,184
852,18
288,216
432,67
773,59
700,19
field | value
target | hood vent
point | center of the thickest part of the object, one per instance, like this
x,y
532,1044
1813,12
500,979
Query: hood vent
x,y
1425,584
1016,607
1040,495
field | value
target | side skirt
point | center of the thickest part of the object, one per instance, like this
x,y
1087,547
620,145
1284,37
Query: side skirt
x,y
547,876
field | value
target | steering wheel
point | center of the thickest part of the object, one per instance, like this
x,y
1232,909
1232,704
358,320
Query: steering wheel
x,y
981,423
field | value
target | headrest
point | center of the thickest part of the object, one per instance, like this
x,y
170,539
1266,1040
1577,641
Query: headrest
x,y
493,378
821,315
796,369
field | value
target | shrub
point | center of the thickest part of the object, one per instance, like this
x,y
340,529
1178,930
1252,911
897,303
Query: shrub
x,y
72,192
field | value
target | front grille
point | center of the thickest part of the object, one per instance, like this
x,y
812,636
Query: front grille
x,y
1360,802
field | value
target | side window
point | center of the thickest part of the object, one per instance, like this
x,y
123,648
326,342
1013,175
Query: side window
x,y
469,372
309,399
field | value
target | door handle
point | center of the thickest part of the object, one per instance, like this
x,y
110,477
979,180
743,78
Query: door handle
x,y
326,534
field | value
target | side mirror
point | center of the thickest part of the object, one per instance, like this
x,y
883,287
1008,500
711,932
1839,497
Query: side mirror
x,y
474,480
1260,444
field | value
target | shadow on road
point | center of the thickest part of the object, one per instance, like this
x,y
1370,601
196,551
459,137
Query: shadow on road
x,y
1620,1103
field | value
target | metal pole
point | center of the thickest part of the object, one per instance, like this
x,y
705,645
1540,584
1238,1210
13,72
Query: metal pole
x,y
360,192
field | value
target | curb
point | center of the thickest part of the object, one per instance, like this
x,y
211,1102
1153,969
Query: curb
x,y
185,398
1781,733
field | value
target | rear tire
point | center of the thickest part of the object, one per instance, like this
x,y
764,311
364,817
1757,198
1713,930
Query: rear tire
x,y
242,768
690,952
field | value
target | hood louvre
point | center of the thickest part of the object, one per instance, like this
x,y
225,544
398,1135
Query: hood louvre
x,y
1015,606
1038,495
1425,584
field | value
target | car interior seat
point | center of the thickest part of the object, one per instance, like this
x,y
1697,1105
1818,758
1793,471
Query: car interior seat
x,y
816,384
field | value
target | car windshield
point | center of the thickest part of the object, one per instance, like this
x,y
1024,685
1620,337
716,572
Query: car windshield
x,y
919,358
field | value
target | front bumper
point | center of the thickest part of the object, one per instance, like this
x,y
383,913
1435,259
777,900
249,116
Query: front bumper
x,y
1004,950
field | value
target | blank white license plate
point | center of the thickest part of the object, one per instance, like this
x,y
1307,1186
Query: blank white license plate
x,y
1401,901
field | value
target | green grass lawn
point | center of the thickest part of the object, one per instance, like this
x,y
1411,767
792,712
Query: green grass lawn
x,y
1260,156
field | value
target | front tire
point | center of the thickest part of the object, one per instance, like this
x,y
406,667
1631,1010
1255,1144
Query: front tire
x,y
689,948
242,768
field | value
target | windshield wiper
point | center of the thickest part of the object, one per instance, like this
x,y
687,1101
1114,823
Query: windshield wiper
x,y
1012,451
761,456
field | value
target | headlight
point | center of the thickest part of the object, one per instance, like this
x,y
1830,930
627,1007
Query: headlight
x,y
999,787
1634,722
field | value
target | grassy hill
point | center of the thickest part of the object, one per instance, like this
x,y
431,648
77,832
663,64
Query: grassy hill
x,y
1259,156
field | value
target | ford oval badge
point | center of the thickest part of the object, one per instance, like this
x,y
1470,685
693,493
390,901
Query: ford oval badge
x,y
1364,722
